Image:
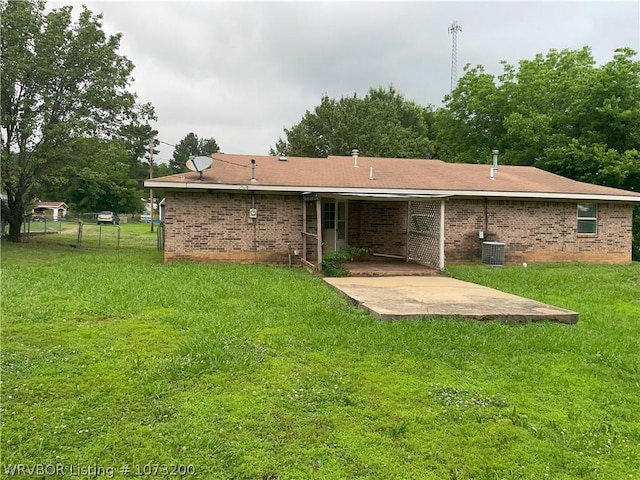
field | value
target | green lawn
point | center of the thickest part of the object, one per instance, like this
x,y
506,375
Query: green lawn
x,y
111,358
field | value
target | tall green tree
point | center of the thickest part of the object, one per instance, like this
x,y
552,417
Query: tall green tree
x,y
60,80
93,176
558,111
191,146
137,133
383,123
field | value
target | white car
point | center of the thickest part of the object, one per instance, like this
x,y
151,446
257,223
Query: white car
x,y
108,217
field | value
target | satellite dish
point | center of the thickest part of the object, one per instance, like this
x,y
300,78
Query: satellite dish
x,y
198,164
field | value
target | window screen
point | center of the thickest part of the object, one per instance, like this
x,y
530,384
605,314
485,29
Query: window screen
x,y
587,218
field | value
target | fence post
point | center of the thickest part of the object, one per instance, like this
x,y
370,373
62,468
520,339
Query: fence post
x,y
118,237
79,240
99,234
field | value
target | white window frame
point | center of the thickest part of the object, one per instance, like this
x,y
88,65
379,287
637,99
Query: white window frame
x,y
582,218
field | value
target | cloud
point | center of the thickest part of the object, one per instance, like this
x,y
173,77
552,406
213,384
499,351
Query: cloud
x,y
241,71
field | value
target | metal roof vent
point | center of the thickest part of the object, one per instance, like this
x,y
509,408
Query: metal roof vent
x,y
354,153
282,158
495,159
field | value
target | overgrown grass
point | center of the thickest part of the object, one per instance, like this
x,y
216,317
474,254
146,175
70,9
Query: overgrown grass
x,y
112,358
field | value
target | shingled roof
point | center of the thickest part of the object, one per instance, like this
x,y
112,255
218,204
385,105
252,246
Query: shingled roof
x,y
51,205
384,176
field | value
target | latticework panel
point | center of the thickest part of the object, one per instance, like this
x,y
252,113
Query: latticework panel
x,y
424,233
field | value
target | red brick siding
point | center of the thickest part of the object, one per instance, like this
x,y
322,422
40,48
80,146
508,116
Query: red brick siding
x,y
535,231
379,226
312,227
214,226
210,226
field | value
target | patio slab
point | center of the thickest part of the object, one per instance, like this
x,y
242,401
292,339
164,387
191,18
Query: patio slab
x,y
385,268
417,297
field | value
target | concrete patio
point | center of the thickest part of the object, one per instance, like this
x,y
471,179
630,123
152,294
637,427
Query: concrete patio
x,y
429,296
387,267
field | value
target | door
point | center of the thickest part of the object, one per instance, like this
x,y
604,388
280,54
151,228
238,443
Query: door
x,y
334,224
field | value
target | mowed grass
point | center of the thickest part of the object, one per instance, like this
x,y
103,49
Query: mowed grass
x,y
111,358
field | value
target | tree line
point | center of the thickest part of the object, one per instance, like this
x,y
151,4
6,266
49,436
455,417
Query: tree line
x,y
71,129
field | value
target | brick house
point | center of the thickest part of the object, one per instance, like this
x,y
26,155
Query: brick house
x,y
270,209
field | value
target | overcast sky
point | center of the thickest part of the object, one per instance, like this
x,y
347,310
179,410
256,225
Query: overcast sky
x,y
241,71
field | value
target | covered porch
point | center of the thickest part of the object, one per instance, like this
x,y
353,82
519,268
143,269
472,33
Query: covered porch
x,y
401,233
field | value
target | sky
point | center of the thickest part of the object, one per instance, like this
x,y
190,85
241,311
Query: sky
x,y
241,72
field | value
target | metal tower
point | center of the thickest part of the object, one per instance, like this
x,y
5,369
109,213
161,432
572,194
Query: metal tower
x,y
453,30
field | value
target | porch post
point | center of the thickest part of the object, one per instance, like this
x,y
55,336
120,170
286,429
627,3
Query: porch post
x,y
408,228
319,231
441,259
304,228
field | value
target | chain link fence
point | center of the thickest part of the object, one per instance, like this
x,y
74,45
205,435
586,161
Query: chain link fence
x,y
85,232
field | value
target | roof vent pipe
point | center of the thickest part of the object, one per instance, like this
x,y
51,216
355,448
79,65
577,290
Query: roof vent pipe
x,y
355,152
371,173
253,169
495,159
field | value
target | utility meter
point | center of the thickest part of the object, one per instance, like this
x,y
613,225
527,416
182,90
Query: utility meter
x,y
253,213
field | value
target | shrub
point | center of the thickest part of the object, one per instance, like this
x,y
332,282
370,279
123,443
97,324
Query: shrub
x,y
333,263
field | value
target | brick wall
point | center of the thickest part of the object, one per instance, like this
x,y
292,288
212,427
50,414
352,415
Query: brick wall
x,y
214,226
210,226
535,231
379,226
312,227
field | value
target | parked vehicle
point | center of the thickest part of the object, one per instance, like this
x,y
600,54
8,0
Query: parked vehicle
x,y
108,217
145,217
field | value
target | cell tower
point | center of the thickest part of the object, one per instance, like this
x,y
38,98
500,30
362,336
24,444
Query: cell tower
x,y
453,30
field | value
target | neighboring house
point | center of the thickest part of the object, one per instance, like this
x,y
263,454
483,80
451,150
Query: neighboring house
x,y
53,210
264,208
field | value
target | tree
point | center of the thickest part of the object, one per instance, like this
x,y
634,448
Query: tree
x,y
383,124
558,111
136,134
94,176
191,146
59,81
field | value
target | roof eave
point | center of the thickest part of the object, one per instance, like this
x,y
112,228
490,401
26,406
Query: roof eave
x,y
254,187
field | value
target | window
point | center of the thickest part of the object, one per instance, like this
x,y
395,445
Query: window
x,y
587,218
330,215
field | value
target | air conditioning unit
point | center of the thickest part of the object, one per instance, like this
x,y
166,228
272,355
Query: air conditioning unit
x,y
493,254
